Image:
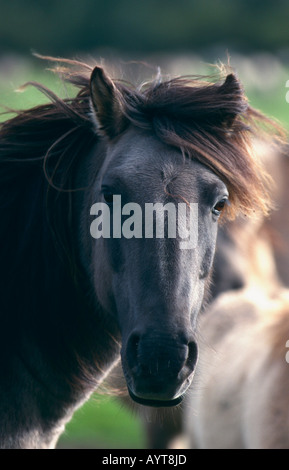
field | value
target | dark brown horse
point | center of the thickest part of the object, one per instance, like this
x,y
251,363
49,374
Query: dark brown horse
x,y
70,303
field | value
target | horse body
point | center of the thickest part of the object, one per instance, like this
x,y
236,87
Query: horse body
x,y
67,301
242,401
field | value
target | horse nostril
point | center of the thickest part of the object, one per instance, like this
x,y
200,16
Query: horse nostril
x,y
132,350
192,355
146,356
158,366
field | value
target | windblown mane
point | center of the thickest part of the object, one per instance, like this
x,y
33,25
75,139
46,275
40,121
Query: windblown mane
x,y
209,121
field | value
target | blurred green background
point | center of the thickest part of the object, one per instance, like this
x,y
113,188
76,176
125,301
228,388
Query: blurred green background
x,y
70,26
181,36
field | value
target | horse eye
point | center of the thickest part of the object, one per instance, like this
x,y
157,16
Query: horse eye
x,y
108,197
217,209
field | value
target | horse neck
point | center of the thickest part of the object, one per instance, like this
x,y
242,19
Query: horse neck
x,y
56,343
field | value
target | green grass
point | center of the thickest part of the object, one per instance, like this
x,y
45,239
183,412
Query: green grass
x,y
272,104
103,423
14,96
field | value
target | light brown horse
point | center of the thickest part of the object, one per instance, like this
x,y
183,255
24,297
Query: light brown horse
x,y
243,375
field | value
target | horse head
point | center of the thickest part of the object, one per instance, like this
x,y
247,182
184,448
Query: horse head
x,y
157,171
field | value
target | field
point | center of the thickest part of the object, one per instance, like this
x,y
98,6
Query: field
x,y
104,422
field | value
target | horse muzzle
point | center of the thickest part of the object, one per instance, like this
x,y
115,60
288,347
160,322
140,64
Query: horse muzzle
x,y
158,368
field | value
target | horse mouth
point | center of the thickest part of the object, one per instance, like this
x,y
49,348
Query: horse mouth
x,y
156,403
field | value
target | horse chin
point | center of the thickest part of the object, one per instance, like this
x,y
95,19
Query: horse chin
x,y
155,403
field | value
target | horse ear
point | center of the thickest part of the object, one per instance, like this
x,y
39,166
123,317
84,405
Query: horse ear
x,y
233,101
106,104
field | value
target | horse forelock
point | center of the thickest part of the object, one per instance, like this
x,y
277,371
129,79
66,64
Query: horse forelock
x,y
210,120
213,125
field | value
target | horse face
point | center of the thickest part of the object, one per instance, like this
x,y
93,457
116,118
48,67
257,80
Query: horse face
x,y
154,285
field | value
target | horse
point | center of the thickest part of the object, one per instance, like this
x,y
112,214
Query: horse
x,y
242,401
71,304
